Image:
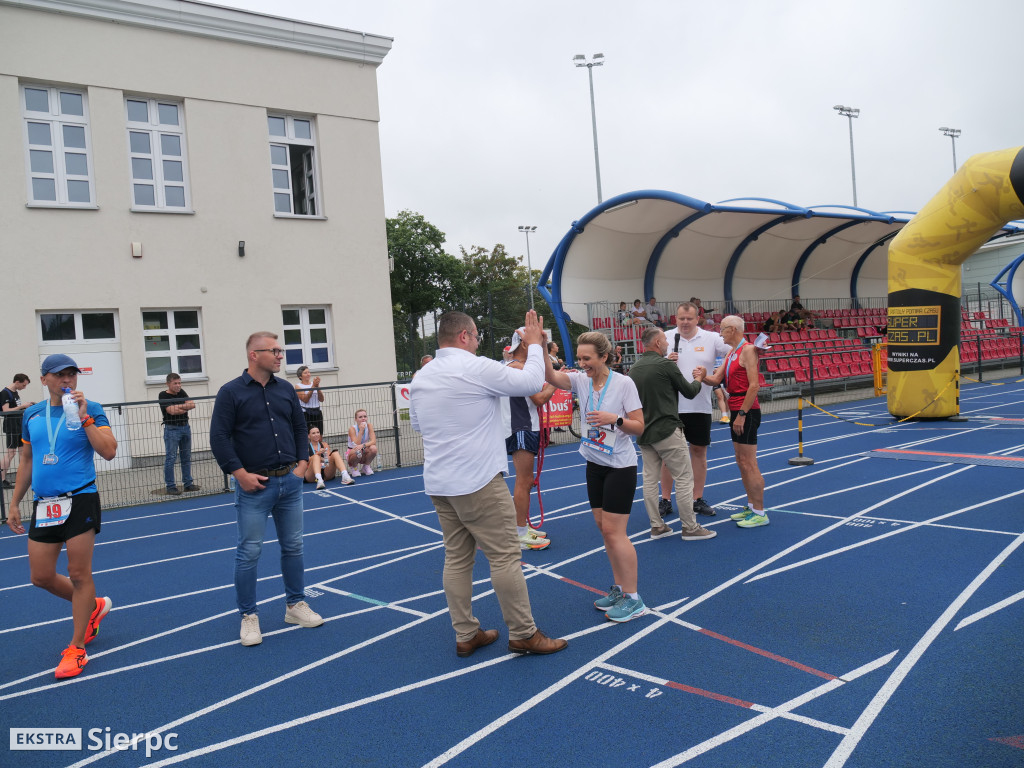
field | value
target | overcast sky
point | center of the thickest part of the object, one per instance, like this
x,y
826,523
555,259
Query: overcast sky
x,y
486,125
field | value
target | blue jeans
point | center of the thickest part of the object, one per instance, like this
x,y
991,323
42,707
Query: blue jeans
x,y
282,498
177,439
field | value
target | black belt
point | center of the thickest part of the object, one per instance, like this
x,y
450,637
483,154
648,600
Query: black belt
x,y
277,471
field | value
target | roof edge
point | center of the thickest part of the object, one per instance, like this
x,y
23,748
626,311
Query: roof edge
x,y
215,21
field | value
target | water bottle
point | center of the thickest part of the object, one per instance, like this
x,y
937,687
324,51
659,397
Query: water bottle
x,y
380,463
71,417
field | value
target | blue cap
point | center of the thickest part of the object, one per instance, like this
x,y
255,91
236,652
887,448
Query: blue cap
x,y
57,363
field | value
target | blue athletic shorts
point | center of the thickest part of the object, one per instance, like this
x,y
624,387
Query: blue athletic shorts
x,y
523,441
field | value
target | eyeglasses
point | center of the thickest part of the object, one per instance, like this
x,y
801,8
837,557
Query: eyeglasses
x,y
276,351
476,336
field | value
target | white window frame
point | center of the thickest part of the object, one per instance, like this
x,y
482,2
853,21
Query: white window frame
x,y
57,120
155,130
306,344
172,352
309,174
79,333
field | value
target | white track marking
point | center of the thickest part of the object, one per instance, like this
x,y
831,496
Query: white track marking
x,y
756,707
772,714
986,612
849,743
896,532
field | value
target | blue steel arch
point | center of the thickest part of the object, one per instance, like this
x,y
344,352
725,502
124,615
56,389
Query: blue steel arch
x,y
734,260
855,273
1010,270
806,255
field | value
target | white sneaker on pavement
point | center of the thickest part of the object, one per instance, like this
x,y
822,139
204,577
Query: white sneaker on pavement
x,y
250,634
303,615
367,470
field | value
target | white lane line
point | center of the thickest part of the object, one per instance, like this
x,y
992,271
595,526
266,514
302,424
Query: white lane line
x,y
378,603
579,672
874,708
756,707
986,612
772,714
306,719
896,532
207,619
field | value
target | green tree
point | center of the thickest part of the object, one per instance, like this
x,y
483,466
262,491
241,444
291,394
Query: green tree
x,y
498,296
424,279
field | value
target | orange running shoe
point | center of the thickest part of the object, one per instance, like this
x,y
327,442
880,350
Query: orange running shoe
x,y
103,606
72,660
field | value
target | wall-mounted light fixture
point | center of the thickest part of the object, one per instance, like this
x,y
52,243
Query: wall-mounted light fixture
x,y
241,247
136,250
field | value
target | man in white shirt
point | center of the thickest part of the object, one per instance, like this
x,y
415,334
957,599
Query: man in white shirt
x,y
455,404
690,346
653,313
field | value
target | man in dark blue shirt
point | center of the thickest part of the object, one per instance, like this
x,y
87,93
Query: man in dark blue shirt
x,y
258,435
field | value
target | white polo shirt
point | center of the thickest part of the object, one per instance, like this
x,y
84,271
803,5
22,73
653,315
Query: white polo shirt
x,y
455,404
702,349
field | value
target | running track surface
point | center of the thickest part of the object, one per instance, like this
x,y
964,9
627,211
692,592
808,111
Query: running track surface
x,y
875,622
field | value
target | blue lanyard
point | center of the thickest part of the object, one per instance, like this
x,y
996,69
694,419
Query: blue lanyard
x,y
728,362
49,428
604,391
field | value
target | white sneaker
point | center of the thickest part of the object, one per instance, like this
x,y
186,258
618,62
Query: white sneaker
x,y
250,633
346,478
529,541
367,470
303,615
355,472
320,485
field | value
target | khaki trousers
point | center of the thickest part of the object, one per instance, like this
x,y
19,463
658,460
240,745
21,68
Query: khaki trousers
x,y
484,519
674,454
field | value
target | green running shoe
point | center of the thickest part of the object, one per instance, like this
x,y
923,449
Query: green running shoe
x,y
606,602
753,520
740,515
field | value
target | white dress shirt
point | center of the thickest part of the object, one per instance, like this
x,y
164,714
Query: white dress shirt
x,y
455,404
703,349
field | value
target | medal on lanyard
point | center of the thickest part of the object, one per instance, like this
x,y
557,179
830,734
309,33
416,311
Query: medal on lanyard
x,y
51,457
593,432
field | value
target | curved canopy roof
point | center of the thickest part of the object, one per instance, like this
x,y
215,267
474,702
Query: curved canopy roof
x,y
658,243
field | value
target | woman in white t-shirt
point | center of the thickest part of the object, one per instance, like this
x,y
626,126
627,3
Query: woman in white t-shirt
x,y
613,416
362,445
311,397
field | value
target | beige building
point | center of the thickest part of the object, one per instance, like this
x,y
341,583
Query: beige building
x,y
177,175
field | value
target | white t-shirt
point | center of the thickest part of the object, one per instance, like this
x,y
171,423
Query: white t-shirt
x,y
702,349
620,399
314,397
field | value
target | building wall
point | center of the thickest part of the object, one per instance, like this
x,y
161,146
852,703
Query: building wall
x,y
67,259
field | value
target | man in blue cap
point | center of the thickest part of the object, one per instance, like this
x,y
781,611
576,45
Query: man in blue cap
x,y
58,463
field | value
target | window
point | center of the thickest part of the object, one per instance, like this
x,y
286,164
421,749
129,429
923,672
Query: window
x,y
173,343
156,150
293,165
307,337
58,156
77,326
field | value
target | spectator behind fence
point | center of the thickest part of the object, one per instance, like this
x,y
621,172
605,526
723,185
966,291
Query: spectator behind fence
x,y
653,313
624,315
59,464
175,405
257,434
639,314
12,407
324,462
362,445
701,313
556,362
311,397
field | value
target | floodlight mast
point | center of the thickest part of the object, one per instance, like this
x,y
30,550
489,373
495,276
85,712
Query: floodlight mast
x,y
850,113
527,230
954,134
596,60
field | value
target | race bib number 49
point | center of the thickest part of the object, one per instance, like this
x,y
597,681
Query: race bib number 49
x,y
51,511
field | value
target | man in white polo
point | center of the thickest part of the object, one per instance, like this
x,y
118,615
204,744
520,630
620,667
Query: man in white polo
x,y
690,346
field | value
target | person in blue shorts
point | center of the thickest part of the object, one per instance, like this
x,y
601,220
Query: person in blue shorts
x,y
58,464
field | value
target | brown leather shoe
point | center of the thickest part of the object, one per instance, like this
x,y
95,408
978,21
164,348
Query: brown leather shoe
x,y
539,643
480,639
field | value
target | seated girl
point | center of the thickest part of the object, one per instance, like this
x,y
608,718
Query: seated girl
x,y
324,462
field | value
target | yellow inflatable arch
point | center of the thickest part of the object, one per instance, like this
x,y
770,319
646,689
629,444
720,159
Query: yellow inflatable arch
x,y
924,280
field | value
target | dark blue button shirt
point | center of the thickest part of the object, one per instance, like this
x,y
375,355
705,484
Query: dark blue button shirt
x,y
257,427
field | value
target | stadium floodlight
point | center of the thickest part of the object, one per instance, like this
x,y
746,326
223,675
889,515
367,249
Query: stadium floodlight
x,y
953,134
527,230
596,60
850,113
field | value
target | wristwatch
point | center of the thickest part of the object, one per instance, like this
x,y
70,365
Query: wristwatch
x,y
618,421
743,413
